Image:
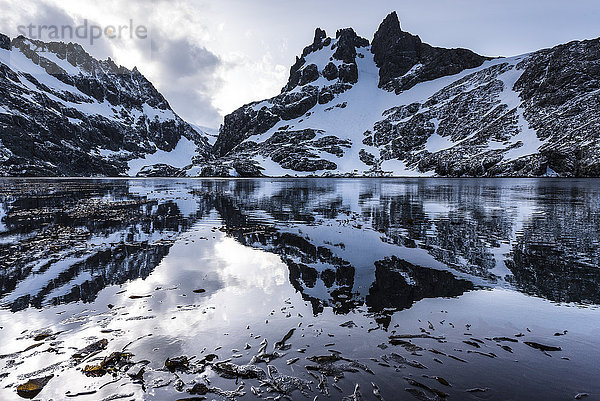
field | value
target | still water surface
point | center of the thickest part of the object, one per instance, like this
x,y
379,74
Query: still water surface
x,y
395,289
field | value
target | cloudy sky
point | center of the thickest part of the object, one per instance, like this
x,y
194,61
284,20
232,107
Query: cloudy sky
x,y
209,57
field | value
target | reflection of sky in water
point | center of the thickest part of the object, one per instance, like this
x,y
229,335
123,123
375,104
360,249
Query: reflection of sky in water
x,y
244,286
242,241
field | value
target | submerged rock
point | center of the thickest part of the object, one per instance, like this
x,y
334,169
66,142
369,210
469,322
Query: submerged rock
x,y
281,344
327,365
542,347
421,396
435,391
180,363
199,388
284,384
377,392
355,396
401,361
33,387
139,296
231,371
90,349
42,336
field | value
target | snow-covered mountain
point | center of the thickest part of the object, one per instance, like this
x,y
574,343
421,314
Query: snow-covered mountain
x,y
64,113
397,106
392,106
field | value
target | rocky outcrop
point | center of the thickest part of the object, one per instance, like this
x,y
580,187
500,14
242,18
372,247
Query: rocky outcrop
x,y
347,41
4,42
560,88
396,53
160,170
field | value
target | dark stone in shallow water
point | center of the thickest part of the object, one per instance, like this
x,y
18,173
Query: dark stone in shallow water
x,y
542,347
33,387
199,388
94,347
180,363
232,371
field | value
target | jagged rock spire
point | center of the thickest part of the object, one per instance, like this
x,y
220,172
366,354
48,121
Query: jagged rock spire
x,y
396,52
319,36
391,23
347,42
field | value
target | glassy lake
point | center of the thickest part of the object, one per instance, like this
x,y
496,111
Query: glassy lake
x,y
395,289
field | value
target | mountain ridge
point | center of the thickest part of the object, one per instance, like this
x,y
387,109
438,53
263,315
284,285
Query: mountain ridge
x,y
62,112
454,113
392,106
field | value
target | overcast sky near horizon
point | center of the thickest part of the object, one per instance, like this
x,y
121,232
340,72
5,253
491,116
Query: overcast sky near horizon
x,y
209,57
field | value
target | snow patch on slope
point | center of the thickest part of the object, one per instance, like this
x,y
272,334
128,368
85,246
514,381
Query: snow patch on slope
x,y
211,134
527,136
436,142
398,168
154,113
179,157
64,64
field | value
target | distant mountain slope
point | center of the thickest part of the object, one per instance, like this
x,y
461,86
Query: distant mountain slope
x,y
400,107
64,113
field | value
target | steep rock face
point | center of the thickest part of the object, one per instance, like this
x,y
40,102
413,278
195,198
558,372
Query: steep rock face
x,y
524,116
462,129
64,113
560,88
397,53
4,42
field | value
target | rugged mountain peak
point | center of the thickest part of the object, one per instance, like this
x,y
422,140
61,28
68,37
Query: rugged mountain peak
x,y
327,68
319,42
395,52
320,35
4,42
390,24
404,60
347,42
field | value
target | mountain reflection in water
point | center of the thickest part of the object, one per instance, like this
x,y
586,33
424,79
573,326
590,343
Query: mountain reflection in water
x,y
386,243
